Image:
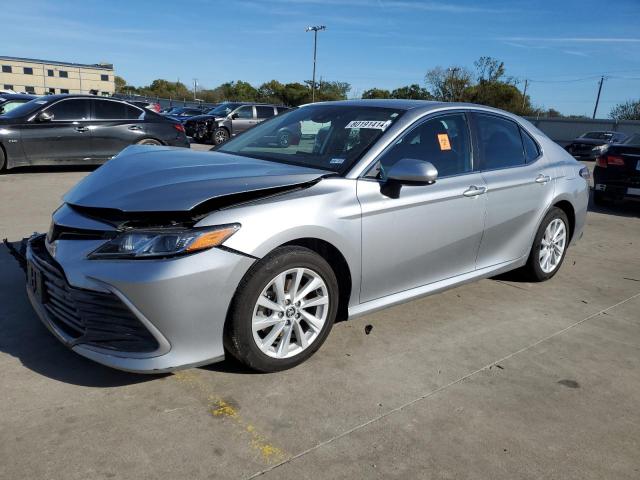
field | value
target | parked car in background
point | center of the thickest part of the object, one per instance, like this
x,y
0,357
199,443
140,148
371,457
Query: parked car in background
x,y
229,119
9,101
590,145
616,174
252,251
153,106
183,113
80,129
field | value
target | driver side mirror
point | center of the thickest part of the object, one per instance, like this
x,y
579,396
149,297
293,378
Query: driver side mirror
x,y
413,171
234,116
44,117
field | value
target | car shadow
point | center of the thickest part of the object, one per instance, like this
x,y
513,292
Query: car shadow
x,y
23,337
620,208
51,169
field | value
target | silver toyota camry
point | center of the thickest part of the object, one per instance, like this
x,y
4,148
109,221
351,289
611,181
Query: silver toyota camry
x,y
166,258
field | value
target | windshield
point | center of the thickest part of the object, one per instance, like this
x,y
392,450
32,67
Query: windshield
x,y
598,135
329,137
223,110
26,108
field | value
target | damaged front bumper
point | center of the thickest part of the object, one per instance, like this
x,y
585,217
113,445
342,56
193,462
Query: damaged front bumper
x,y
146,316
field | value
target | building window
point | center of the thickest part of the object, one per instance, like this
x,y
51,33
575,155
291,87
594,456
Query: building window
x,y
28,71
8,87
6,69
52,91
104,78
105,94
50,73
30,89
64,90
63,74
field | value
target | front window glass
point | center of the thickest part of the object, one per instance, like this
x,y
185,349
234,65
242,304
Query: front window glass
x,y
443,141
245,112
329,137
70,110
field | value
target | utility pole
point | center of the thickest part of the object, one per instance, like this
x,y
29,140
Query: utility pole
x,y
524,94
195,88
595,109
315,30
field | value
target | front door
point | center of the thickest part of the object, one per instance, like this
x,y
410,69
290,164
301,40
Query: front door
x,y
413,235
520,185
243,119
66,138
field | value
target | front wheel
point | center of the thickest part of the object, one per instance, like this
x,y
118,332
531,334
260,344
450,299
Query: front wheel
x,y
284,139
149,141
283,310
220,135
549,246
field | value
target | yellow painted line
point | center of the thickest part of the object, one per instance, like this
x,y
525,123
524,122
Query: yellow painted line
x,y
219,408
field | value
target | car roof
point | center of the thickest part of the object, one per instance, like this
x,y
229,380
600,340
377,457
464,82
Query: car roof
x,y
17,96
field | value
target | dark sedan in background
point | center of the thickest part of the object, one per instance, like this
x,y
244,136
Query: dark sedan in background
x,y
616,174
181,114
80,129
9,101
590,145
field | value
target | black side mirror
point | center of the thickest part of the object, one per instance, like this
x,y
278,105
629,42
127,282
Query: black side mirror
x,y
413,171
44,117
235,116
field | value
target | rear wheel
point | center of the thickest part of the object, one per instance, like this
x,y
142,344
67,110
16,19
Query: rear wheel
x,y
149,141
283,310
284,139
3,161
220,135
549,246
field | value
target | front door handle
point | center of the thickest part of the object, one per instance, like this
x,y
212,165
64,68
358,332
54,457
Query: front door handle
x,y
474,191
543,178
82,129
135,127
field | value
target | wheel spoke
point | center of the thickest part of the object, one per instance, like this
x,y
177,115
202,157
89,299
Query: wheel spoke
x,y
285,341
273,334
293,290
260,323
300,335
279,286
308,288
321,300
266,303
313,322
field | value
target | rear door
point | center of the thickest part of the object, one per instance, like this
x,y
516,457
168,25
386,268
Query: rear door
x,y
115,125
66,138
520,184
243,119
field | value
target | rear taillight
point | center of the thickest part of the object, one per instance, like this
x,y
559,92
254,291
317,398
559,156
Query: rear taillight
x,y
156,107
179,127
605,160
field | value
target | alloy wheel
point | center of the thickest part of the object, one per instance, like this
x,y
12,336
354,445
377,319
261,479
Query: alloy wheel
x,y
290,313
552,245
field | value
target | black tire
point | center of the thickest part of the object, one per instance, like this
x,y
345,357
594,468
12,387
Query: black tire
x,y
3,161
149,141
284,139
600,199
219,135
238,338
532,269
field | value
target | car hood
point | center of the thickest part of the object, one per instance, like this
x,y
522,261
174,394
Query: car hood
x,y
165,179
205,117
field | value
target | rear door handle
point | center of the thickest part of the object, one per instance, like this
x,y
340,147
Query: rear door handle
x,y
135,127
474,191
543,178
82,129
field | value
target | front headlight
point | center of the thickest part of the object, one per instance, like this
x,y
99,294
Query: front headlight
x,y
164,242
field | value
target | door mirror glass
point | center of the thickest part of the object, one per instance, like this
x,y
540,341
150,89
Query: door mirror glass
x,y
44,117
234,116
413,171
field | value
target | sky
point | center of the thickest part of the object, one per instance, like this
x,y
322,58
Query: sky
x,y
561,47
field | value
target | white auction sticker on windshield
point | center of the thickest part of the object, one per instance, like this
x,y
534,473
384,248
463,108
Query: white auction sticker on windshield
x,y
374,124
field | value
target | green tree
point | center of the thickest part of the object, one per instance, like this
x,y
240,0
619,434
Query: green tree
x,y
376,93
448,85
412,92
629,110
120,83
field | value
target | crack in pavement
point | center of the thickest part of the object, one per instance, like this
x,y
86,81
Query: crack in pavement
x,y
437,390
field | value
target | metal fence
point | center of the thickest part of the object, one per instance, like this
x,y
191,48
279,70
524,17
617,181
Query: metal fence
x,y
564,130
166,102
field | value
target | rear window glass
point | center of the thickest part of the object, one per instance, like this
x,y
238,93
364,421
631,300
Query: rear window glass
x,y
500,142
264,112
107,110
